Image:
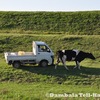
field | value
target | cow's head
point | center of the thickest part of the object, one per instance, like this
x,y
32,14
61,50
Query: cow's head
x,y
91,56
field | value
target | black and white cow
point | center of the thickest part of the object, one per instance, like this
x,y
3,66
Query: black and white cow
x,y
72,55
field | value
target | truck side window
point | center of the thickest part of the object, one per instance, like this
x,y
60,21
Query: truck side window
x,y
43,48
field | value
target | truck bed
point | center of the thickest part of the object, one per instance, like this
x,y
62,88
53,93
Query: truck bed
x,y
12,56
17,54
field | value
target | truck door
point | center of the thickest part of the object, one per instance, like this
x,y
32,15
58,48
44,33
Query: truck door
x,y
44,53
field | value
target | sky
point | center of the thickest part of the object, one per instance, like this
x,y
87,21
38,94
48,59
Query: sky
x,y
49,5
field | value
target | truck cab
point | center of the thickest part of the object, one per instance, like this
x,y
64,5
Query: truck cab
x,y
41,54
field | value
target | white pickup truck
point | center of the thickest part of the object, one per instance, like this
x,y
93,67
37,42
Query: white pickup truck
x,y
41,54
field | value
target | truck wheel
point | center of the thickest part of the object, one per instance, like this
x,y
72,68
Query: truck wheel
x,y
16,64
43,63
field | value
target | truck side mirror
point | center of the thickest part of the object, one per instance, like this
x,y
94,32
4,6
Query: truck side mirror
x,y
48,50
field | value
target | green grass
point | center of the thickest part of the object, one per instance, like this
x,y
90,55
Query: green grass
x,y
60,30
9,42
89,75
42,91
72,23
33,82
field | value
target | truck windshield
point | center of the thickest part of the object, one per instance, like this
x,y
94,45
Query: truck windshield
x,y
43,48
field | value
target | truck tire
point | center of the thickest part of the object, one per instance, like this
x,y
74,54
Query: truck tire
x,y
16,64
43,63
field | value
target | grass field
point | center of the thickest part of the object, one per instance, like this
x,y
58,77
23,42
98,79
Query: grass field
x,y
43,91
32,82
36,83
72,23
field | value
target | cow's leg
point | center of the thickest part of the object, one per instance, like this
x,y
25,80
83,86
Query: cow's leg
x,y
64,62
65,66
77,65
58,61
